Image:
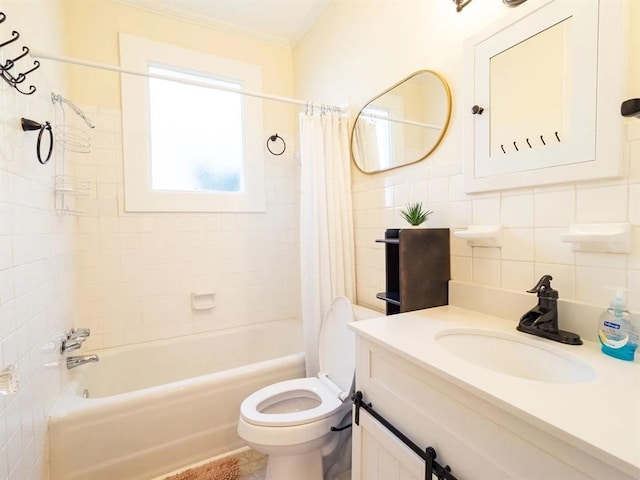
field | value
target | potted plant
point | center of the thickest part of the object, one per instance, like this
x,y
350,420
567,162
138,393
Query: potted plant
x,y
414,214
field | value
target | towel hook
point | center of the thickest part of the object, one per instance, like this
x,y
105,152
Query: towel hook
x,y
274,138
11,62
15,36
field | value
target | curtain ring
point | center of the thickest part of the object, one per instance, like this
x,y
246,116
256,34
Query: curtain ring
x,y
274,138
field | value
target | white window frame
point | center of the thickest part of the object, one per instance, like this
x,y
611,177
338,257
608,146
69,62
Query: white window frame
x,y
137,54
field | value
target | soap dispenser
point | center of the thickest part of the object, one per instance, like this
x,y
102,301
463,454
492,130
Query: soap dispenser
x,y
617,334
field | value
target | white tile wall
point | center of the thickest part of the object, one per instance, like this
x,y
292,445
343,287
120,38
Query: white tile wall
x,y
136,271
533,221
36,275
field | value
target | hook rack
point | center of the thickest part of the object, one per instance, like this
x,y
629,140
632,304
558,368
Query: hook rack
x,y
16,80
528,141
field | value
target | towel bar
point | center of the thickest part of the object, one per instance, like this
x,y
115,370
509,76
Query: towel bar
x,y
429,454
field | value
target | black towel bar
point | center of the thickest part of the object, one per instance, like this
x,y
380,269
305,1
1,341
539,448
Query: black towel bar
x,y
429,454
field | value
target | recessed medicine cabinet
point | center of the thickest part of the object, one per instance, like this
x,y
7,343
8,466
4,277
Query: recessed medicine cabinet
x,y
542,97
403,124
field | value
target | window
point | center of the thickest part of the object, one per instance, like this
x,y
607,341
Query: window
x,y
188,147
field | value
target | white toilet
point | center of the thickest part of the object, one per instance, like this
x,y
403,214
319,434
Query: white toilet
x,y
290,421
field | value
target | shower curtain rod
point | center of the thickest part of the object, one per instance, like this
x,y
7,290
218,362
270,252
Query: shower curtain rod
x,y
113,68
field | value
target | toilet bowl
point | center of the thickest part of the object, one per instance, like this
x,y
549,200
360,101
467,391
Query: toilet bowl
x,y
291,421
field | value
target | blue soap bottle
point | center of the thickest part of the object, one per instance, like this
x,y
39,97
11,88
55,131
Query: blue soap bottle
x,y
617,334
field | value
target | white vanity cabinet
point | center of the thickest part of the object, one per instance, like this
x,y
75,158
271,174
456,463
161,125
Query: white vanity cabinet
x,y
479,436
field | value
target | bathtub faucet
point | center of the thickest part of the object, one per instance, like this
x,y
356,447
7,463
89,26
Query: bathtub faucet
x,y
73,362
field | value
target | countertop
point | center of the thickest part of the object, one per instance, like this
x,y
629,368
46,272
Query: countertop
x,y
599,416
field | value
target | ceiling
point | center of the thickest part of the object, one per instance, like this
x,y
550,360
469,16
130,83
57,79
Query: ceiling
x,y
282,22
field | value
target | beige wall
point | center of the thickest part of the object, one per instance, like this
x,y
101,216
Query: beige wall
x,y
360,47
91,33
136,271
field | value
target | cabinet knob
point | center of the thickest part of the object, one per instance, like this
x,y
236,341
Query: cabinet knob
x,y
477,110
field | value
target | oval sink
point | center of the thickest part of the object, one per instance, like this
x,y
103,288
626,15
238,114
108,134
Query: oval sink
x,y
515,356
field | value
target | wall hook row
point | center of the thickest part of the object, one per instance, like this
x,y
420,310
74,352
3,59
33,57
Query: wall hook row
x,y
16,80
517,149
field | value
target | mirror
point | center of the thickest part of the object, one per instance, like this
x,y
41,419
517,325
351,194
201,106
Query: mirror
x,y
541,105
539,66
403,124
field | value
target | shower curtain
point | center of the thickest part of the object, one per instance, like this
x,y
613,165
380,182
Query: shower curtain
x,y
326,222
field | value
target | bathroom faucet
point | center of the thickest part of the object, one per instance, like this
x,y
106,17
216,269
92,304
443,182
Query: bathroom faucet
x,y
73,362
542,320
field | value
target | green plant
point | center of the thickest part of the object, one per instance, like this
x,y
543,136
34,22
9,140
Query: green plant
x,y
414,214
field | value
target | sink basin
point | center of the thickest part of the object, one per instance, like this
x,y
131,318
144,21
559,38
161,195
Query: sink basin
x,y
511,355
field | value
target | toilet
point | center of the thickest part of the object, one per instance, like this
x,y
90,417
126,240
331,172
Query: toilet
x,y
291,421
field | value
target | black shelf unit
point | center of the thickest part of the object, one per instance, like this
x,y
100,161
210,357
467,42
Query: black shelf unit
x,y
417,266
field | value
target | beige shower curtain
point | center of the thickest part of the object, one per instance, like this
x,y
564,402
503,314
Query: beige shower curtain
x,y
326,222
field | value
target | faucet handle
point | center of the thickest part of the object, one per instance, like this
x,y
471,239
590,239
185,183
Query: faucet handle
x,y
69,345
543,288
80,334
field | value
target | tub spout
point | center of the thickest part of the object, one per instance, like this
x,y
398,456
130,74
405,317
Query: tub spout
x,y
73,362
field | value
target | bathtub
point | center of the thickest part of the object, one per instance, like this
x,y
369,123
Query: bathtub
x,y
155,407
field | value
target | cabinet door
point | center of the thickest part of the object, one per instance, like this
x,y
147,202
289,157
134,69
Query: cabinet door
x,y
543,76
378,455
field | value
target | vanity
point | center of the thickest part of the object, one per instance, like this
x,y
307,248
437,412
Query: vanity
x,y
493,402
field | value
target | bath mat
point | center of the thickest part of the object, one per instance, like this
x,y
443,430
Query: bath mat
x,y
247,465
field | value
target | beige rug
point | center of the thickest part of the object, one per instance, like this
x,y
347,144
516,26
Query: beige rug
x,y
247,465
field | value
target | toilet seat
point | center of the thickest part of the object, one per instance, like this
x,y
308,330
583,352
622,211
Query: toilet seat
x,y
307,400
328,403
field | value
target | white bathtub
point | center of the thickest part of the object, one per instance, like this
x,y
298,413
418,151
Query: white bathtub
x,y
159,406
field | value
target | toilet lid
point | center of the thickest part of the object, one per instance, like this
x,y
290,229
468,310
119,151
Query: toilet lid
x,y
337,346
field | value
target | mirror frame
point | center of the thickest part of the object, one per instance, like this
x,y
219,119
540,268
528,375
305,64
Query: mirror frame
x,y
603,158
447,91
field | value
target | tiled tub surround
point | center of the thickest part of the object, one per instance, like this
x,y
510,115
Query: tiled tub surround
x,y
159,406
533,219
136,271
36,251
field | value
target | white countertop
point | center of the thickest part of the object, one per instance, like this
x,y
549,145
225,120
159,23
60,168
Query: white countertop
x,y
599,416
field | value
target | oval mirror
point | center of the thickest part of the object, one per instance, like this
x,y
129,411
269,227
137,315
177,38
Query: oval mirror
x,y
403,124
